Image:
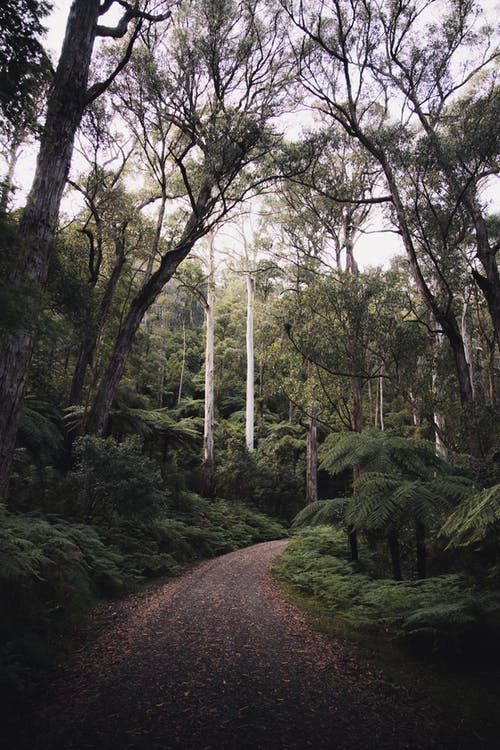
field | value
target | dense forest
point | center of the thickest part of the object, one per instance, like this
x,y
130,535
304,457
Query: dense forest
x,y
193,358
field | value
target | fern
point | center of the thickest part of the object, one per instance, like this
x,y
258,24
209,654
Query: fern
x,y
476,520
322,512
380,452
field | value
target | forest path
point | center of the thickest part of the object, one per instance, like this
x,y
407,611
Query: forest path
x,y
216,659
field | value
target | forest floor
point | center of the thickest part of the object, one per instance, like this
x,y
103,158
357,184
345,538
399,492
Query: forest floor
x,y
217,659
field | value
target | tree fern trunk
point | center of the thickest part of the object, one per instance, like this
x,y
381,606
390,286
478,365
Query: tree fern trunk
x,y
421,549
395,554
353,544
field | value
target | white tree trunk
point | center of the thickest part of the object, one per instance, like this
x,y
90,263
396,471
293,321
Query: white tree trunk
x,y
250,397
439,419
209,423
467,348
381,402
183,368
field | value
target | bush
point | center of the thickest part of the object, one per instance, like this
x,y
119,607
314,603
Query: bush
x,y
115,480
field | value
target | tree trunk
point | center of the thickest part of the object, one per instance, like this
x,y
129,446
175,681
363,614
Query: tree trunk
x,y
8,182
250,392
98,416
183,367
312,460
438,416
381,402
209,422
353,543
94,330
421,549
395,554
65,107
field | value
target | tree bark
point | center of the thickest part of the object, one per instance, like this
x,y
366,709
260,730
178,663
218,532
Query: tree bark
x,y
312,460
250,389
209,421
94,330
98,416
421,549
395,554
65,107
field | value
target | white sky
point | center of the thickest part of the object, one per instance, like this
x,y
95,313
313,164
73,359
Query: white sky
x,y
372,249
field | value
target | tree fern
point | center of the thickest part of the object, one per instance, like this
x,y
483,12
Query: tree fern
x,y
476,520
382,452
322,512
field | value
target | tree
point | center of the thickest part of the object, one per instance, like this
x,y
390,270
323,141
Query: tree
x,y
209,420
218,77
346,55
67,99
24,65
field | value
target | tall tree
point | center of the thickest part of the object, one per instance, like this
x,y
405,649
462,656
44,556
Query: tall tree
x,y
67,99
346,66
209,417
219,77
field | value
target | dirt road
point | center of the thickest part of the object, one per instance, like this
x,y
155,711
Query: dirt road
x,y
216,660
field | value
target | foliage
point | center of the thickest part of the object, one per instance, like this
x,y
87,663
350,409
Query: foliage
x,y
23,61
476,521
114,480
382,452
445,615
322,512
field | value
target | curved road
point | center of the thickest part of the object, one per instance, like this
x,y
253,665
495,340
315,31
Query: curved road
x,y
216,660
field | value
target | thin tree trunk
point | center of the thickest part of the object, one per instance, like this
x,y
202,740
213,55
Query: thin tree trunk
x,y
421,549
491,375
209,422
381,401
8,181
439,418
312,460
94,330
250,390
395,554
370,403
65,107
467,350
183,367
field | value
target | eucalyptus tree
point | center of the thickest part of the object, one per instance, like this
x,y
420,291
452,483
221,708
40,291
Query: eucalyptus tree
x,y
67,98
112,224
219,73
383,73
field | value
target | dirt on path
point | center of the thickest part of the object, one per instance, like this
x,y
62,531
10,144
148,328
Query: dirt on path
x,y
216,660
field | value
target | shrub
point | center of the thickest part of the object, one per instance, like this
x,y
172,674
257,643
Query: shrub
x,y
115,480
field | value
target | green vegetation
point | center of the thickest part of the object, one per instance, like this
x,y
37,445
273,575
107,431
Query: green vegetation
x,y
447,615
371,389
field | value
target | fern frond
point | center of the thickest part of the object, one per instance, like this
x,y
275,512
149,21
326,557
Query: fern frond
x,y
476,520
321,513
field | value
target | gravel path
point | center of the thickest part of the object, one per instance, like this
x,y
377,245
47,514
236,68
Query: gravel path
x,y
214,660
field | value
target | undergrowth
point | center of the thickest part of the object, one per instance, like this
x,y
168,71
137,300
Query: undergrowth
x,y
446,616
53,570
